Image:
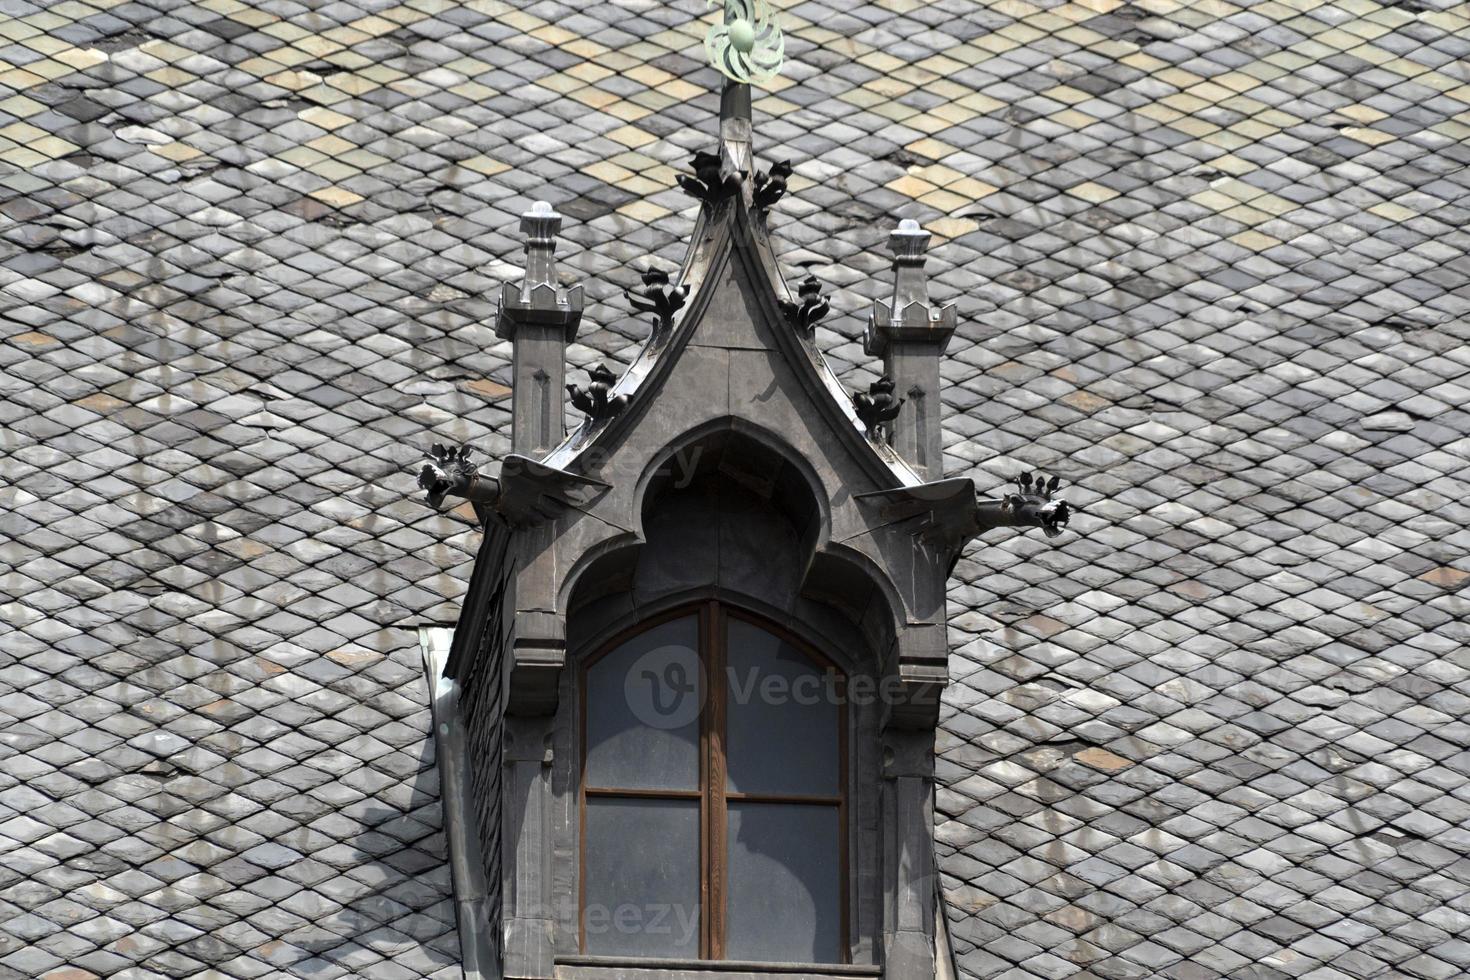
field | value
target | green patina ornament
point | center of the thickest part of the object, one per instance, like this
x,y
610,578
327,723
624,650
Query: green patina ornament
x,y
746,45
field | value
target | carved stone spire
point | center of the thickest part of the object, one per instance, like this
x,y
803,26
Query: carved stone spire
x,y
540,318
910,334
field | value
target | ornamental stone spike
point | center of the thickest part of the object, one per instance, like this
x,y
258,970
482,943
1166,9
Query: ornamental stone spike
x,y
910,334
539,318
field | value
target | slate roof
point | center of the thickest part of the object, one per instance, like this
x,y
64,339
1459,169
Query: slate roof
x,y
1211,269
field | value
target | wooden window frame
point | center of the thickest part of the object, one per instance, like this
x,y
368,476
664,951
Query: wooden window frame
x,y
712,794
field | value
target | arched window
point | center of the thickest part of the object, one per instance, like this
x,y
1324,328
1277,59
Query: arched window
x,y
713,823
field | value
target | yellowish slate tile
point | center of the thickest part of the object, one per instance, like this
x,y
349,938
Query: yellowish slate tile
x,y
607,172
363,159
317,46
21,156
896,111
1213,200
881,61
643,210
177,152
631,136
300,156
652,100
648,75
337,197
379,73
1227,140
325,95
952,227
482,164
915,75
18,30
589,72
81,59
1198,128
1018,9
941,65
627,111
888,87
1256,129
583,48
1243,104
1372,137
334,170
642,186
1072,119
773,106
1092,192
323,118
1247,216
1067,94
594,97
352,83
971,188
937,174
910,186
953,113
932,148
981,103
1081,36
51,70
54,147
560,83
294,80
22,132
1236,189
680,90
20,106
46,44
1254,240
944,201
926,123
254,18
861,97
331,145
663,175
1184,103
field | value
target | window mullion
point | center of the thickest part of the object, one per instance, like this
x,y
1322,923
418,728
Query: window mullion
x,y
715,710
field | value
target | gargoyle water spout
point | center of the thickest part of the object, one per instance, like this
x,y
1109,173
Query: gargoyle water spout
x,y
877,407
1033,504
449,473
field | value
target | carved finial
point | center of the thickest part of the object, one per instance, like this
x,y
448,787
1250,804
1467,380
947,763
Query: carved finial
x,y
877,408
449,472
1032,504
712,181
596,400
770,185
813,307
539,290
658,297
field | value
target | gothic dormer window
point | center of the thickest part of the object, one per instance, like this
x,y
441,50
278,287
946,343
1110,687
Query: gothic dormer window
x,y
687,721
712,792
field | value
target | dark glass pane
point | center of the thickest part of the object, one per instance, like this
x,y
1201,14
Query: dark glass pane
x,y
643,701
782,717
784,900
642,871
